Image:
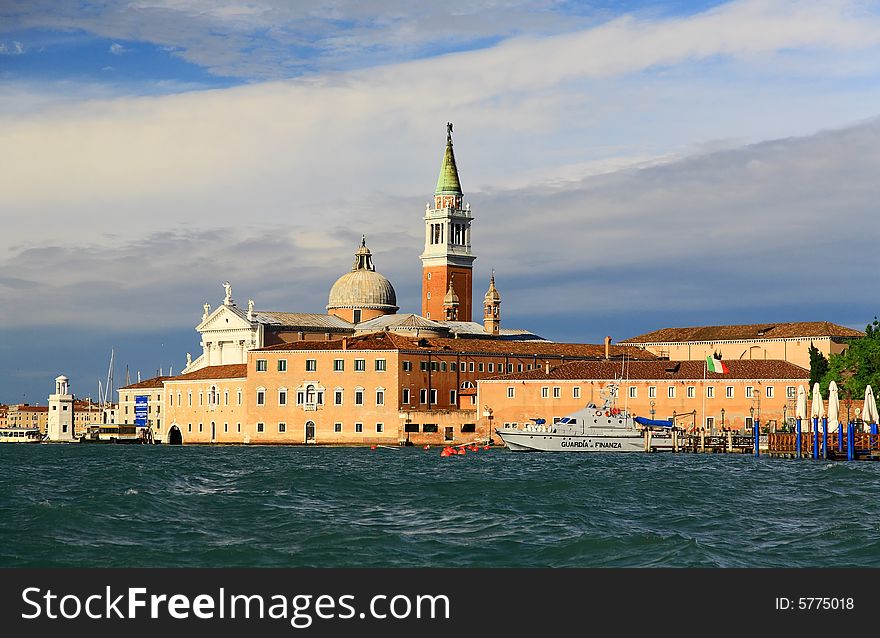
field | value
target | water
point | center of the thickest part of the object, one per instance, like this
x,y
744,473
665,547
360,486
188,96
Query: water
x,y
158,506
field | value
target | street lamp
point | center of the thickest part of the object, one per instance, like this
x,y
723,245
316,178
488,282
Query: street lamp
x,y
784,419
752,413
652,409
722,419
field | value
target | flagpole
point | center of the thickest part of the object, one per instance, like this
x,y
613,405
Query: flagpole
x,y
705,376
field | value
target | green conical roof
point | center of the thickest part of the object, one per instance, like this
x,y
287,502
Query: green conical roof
x,y
448,180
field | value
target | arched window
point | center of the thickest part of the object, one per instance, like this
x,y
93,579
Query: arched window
x,y
311,395
212,396
467,384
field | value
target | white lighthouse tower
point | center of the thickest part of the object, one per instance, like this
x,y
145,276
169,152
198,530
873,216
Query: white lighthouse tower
x,y
60,421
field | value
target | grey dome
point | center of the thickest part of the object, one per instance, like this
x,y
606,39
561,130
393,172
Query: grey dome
x,y
363,287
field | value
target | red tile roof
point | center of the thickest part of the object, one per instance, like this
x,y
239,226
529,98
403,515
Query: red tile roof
x,y
32,408
391,341
804,329
661,369
155,382
231,371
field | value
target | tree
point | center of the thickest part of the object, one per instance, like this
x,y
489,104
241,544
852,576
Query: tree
x,y
858,366
818,365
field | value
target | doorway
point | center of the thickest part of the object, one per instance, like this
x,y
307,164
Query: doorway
x,y
310,431
174,436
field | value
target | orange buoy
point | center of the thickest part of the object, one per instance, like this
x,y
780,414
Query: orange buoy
x,y
607,413
372,447
427,447
461,450
485,447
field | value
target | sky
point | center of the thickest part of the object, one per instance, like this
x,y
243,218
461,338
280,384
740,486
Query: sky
x,y
630,165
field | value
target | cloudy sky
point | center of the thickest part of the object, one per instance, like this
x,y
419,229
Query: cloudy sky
x,y
631,165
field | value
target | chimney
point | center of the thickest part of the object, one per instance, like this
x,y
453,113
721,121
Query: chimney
x,y
345,343
608,347
546,367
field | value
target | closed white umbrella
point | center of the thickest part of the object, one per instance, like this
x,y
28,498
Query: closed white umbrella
x,y
869,411
800,408
833,407
817,408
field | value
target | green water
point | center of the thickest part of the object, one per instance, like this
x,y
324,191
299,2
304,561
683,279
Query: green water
x,y
134,506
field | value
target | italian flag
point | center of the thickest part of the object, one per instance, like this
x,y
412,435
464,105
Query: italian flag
x,y
716,365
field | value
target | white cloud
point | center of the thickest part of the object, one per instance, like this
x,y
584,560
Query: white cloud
x,y
118,49
13,48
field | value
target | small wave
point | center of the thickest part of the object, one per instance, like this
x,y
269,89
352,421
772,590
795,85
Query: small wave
x,y
130,491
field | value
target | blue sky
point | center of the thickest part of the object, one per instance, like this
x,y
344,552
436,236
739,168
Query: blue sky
x,y
631,165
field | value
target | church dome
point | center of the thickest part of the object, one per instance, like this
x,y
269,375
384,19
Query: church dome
x,y
363,287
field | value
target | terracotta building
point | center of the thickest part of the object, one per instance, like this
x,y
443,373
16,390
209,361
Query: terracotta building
x,y
23,415
763,390
784,341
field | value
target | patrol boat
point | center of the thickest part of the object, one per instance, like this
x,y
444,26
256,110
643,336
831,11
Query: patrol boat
x,y
594,428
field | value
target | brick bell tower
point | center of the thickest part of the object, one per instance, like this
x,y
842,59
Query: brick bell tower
x,y
447,262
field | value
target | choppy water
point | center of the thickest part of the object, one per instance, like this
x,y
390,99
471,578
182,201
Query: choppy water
x,y
135,506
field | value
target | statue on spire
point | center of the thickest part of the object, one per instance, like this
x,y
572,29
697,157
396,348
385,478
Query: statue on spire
x,y
449,132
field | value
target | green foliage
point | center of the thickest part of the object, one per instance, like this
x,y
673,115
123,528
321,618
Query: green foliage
x,y
818,367
857,367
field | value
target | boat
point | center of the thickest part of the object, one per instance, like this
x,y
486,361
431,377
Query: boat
x,y
112,433
20,435
594,428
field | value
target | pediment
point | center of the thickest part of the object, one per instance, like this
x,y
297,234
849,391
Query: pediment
x,y
224,318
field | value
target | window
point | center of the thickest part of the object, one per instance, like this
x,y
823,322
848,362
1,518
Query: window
x,y
338,365
262,365
261,397
407,366
511,392
670,392
226,397
428,276
170,399
576,392
750,392
225,427
769,391
200,427
201,398
360,365
633,392
435,366
790,392
410,427
491,367
238,427
239,397
423,366
729,392
358,396
471,367
380,427
481,367
692,392
453,367
545,392
356,316
337,396
405,399
311,365
710,423
652,391
519,367
282,397
509,368
434,396
189,398
429,294
469,427
358,427
557,392
300,397
442,366
260,427
749,423
452,394
710,392
380,365
282,427
423,396
189,427
429,427
380,397
282,365
337,427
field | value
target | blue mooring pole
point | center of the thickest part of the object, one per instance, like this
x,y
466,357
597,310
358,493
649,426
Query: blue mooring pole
x,y
757,429
839,436
824,437
873,434
797,440
815,437
850,442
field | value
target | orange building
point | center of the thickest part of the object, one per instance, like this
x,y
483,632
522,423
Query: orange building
x,y
206,406
762,390
385,387
28,416
784,341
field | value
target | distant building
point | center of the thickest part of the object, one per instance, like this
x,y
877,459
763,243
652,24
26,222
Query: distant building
x,y
763,390
206,406
4,416
151,393
784,341
59,426
24,415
